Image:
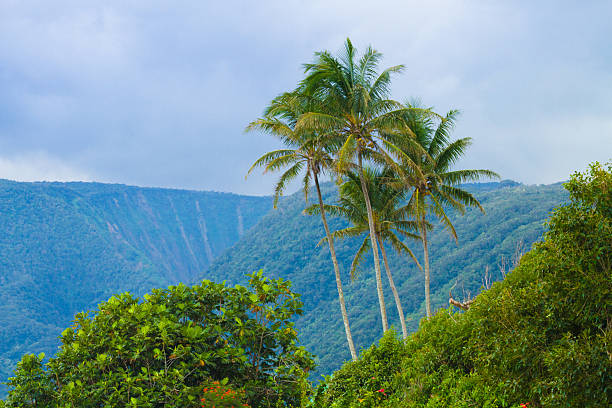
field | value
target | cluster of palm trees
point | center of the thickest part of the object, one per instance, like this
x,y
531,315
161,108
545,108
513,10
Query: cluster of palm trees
x,y
393,162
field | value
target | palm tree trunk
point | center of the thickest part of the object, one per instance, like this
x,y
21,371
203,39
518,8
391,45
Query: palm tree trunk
x,y
426,255
332,251
366,197
400,311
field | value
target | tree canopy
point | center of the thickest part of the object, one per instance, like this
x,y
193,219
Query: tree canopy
x,y
162,350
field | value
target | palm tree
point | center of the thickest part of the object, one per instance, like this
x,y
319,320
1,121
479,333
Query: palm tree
x,y
306,150
390,220
434,185
356,107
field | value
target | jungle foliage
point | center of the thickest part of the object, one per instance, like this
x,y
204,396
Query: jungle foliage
x,y
284,244
65,247
166,348
540,337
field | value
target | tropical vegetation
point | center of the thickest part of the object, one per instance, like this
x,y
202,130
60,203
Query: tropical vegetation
x,y
65,247
168,349
284,244
58,234
310,150
540,338
340,115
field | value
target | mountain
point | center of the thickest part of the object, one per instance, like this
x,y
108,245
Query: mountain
x,y
284,245
64,247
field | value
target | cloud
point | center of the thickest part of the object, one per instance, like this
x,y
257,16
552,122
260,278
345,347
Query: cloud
x,y
156,93
39,166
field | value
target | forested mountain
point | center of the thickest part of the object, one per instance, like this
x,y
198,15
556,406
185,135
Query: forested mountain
x,y
284,245
64,247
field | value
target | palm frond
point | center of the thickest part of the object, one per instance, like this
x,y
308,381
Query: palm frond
x,y
400,247
345,154
318,121
381,86
462,196
448,200
287,176
349,232
335,210
276,128
281,162
441,136
270,157
306,183
438,210
466,176
451,153
358,258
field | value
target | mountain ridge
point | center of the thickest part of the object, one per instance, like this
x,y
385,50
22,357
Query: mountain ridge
x,y
64,247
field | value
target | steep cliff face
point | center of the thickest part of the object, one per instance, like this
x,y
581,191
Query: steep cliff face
x,y
64,247
180,231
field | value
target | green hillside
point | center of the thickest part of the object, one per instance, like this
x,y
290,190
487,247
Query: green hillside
x,y
284,245
64,247
539,338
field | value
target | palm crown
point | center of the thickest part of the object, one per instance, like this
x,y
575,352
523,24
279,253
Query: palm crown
x,y
389,208
432,183
354,104
307,150
430,176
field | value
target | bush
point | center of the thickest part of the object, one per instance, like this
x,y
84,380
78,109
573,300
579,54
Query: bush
x,y
219,395
542,337
365,382
544,333
161,350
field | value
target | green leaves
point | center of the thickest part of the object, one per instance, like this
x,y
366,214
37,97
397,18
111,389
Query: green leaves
x,y
164,347
542,336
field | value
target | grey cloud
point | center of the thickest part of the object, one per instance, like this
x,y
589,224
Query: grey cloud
x,y
156,93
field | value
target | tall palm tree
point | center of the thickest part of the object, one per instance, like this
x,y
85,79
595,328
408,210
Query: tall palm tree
x,y
434,185
390,220
306,150
356,107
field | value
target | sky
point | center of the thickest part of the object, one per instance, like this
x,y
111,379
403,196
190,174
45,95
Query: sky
x,y
158,93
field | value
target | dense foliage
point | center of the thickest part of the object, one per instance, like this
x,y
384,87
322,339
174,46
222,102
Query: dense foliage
x,y
167,348
64,247
66,262
219,395
542,336
514,214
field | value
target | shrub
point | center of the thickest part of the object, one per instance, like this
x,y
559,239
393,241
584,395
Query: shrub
x,y
219,395
365,382
160,350
541,338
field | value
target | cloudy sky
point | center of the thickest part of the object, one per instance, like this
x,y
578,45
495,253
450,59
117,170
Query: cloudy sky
x,y
158,93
